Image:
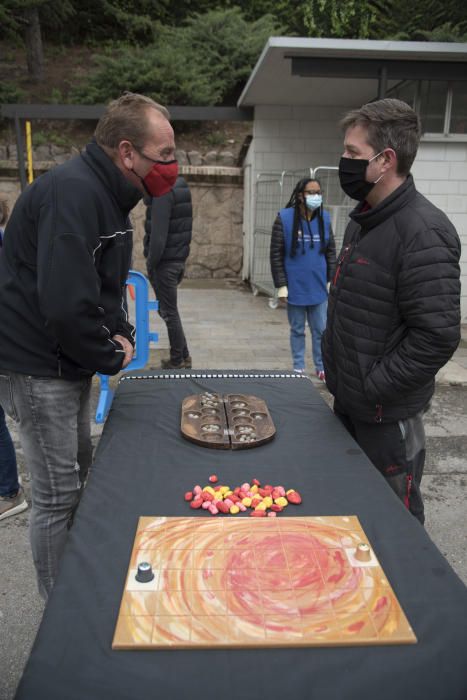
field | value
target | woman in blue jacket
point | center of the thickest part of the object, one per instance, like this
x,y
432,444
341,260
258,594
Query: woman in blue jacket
x,y
303,259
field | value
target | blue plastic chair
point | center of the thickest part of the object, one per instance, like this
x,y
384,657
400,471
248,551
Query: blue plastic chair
x,y
143,337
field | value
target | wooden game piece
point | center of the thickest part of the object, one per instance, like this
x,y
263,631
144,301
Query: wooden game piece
x,y
294,497
223,497
144,573
363,552
281,501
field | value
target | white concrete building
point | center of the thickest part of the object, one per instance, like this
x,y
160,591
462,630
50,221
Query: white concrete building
x,y
300,88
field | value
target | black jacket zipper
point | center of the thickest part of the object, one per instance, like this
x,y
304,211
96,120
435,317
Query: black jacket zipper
x,y
342,258
59,361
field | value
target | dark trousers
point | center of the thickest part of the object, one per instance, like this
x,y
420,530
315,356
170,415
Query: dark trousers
x,y
165,279
397,450
9,484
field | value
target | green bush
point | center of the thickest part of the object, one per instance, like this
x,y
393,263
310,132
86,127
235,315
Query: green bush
x,y
10,93
44,137
196,64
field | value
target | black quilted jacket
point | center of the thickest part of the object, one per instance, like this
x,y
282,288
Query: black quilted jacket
x,y
168,226
394,307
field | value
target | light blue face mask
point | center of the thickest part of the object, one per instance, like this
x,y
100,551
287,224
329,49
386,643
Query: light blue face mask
x,y
313,201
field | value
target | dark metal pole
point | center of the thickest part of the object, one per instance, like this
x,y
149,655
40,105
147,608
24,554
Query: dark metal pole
x,y
20,152
382,82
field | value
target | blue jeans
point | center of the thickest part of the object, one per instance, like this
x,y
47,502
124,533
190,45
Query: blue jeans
x,y
316,317
8,469
53,417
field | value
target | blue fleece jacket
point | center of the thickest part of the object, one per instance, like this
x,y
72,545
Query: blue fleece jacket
x,y
306,272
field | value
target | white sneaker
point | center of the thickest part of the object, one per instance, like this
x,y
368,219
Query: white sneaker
x,y
299,371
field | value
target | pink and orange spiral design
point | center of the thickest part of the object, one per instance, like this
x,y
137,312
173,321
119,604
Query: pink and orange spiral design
x,y
274,582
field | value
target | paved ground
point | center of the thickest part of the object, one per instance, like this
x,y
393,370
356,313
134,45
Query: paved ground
x,y
227,327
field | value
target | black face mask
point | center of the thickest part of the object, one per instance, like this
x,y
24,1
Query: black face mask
x,y
352,177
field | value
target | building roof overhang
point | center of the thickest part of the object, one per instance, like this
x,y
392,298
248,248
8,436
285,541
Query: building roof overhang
x,y
299,71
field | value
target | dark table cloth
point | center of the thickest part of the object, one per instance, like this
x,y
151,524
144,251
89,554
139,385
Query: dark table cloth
x,y
143,467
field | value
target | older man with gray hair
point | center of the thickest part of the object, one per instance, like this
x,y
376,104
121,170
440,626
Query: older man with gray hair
x,y
63,270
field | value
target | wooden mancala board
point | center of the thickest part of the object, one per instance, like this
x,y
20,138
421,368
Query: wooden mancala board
x,y
226,421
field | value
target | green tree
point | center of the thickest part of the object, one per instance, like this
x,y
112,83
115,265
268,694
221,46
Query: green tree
x,y
110,20
348,19
446,32
420,20
199,63
21,20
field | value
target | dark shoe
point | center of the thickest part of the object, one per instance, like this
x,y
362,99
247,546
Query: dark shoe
x,y
168,364
184,364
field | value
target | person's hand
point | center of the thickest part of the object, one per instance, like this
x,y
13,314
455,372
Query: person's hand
x,y
282,295
127,346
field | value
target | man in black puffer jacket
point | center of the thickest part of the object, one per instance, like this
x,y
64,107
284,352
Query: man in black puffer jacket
x,y
394,304
168,228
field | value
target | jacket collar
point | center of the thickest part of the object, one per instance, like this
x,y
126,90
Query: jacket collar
x,y
369,218
125,194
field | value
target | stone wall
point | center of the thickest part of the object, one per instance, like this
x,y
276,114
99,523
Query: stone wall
x,y
217,193
217,243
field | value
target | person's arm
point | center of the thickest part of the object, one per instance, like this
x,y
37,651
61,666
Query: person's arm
x,y
121,324
429,305
331,256
277,255
159,216
114,292
69,286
